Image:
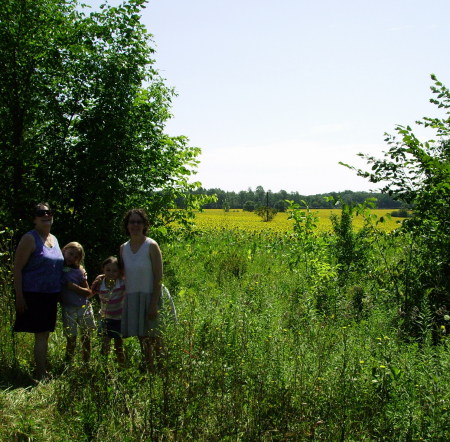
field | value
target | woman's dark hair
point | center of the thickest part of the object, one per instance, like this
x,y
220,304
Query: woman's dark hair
x,y
142,214
111,260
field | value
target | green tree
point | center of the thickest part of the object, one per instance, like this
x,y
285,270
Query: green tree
x,y
266,213
31,36
249,206
281,205
351,248
83,113
418,174
260,195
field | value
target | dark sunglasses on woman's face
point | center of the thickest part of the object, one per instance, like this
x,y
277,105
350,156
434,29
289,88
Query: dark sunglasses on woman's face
x,y
44,212
135,221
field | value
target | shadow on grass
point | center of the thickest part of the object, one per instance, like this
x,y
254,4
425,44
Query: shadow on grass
x,y
15,377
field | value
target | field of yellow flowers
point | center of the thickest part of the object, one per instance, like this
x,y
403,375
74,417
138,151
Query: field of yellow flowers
x,y
218,219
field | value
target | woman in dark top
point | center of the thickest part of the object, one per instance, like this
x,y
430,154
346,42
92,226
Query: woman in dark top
x,y
38,267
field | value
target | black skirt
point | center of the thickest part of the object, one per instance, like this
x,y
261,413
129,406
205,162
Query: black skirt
x,y
40,315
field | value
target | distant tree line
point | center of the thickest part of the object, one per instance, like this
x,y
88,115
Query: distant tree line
x,y
250,199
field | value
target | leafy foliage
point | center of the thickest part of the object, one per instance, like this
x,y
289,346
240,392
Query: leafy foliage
x,y
266,213
351,247
283,352
82,121
418,173
249,206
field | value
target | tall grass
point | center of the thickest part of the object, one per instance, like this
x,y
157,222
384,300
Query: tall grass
x,y
268,346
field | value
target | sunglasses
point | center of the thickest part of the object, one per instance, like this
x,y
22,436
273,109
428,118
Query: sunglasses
x,y
135,221
44,212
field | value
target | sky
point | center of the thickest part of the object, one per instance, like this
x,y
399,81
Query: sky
x,y
277,92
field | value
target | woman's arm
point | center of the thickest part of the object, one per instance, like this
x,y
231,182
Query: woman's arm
x,y
121,258
157,267
24,250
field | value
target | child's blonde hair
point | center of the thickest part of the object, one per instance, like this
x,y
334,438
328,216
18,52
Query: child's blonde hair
x,y
79,248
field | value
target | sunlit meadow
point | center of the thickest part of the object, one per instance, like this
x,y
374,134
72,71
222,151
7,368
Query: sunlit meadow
x,y
213,219
277,338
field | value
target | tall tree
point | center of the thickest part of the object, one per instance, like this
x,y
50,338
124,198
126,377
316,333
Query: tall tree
x,y
82,119
30,67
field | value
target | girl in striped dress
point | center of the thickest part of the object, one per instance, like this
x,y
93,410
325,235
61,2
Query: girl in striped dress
x,y
110,288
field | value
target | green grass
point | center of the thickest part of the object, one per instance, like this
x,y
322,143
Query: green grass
x,y
267,347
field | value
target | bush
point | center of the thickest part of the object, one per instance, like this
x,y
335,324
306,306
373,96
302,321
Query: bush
x,y
249,206
417,173
266,213
401,213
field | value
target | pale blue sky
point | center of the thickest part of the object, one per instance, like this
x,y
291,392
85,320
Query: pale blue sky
x,y
277,92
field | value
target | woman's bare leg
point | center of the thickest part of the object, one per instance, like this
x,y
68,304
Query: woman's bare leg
x,y
147,351
40,353
152,349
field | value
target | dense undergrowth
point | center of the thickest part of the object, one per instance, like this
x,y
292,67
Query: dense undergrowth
x,y
279,337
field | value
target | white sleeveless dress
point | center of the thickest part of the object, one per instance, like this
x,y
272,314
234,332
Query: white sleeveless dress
x,y
138,291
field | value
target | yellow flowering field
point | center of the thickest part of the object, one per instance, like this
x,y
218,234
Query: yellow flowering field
x,y
213,219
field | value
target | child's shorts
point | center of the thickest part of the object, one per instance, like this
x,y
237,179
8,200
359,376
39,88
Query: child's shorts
x,y
110,328
77,318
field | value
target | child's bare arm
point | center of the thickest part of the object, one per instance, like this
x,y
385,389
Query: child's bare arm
x,y
95,286
82,289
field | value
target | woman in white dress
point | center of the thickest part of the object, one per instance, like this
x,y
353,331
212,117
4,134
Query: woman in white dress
x,y
143,268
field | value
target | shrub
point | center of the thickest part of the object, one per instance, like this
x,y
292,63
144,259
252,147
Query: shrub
x,y
249,206
400,213
266,213
418,174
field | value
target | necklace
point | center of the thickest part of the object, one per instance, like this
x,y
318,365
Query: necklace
x,y
110,284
